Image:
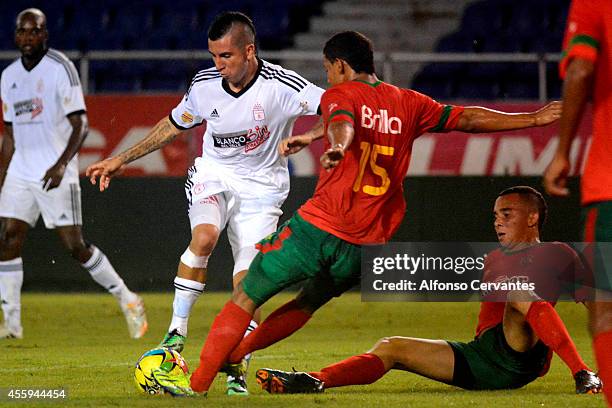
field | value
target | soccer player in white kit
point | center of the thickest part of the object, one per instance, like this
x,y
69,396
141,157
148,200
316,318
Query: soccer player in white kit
x,y
242,179
44,126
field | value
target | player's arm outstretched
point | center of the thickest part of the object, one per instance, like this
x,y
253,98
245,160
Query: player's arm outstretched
x,y
294,144
576,88
340,136
8,148
54,175
162,133
475,119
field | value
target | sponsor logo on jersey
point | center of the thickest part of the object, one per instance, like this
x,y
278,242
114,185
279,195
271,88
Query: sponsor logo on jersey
x,y
257,136
258,112
381,122
33,106
250,139
187,117
214,113
331,107
14,86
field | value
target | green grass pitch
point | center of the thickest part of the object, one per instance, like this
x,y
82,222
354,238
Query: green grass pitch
x,y
80,342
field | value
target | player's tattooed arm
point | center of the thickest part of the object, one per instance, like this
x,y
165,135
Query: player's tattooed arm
x,y
162,133
476,119
294,144
8,148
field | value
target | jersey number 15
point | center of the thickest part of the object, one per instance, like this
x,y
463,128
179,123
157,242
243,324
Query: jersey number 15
x,y
371,152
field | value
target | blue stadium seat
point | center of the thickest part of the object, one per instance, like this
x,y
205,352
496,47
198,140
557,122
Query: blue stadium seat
x,y
501,26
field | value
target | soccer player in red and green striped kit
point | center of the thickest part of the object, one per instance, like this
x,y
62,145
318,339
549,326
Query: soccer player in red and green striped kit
x,y
359,199
587,70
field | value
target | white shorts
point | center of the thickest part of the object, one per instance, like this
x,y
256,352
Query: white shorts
x,y
26,200
249,214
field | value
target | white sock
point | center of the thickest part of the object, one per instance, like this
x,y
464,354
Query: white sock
x,y
252,326
11,279
186,292
101,270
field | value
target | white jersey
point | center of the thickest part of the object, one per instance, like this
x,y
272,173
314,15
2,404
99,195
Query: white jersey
x,y
36,104
243,129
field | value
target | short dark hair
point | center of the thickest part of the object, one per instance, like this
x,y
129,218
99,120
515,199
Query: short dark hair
x,y
534,197
223,23
352,47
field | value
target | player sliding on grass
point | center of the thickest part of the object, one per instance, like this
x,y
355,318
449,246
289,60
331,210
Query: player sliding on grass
x,y
359,200
514,339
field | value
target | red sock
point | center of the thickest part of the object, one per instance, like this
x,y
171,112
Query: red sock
x,y
356,370
602,344
281,323
225,334
549,327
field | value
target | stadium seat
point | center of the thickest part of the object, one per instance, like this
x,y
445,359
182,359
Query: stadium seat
x,y
500,26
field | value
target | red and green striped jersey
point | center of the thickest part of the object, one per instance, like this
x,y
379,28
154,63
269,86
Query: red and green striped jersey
x,y
588,36
362,200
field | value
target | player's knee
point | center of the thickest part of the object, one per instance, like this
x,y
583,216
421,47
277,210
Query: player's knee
x,y
11,241
241,299
384,347
78,250
204,239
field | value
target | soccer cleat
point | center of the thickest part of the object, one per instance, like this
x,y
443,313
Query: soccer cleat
x,y
175,384
236,386
235,370
587,382
283,382
173,341
236,377
6,333
135,317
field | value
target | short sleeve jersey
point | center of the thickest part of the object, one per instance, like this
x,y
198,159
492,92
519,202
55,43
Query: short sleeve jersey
x,y
362,200
243,129
588,36
36,103
553,267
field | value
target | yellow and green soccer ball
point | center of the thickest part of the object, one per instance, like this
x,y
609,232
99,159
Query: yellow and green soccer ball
x,y
168,360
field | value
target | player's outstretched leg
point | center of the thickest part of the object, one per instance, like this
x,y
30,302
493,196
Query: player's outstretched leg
x,y
12,237
102,272
430,358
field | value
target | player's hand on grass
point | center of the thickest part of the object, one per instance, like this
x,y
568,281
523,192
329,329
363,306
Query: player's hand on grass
x,y
105,170
293,144
549,113
331,158
555,177
53,177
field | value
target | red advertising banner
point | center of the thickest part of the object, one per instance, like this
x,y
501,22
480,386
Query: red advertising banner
x,y
117,122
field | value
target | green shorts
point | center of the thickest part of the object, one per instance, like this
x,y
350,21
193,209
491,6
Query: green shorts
x,y
299,251
489,363
597,227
